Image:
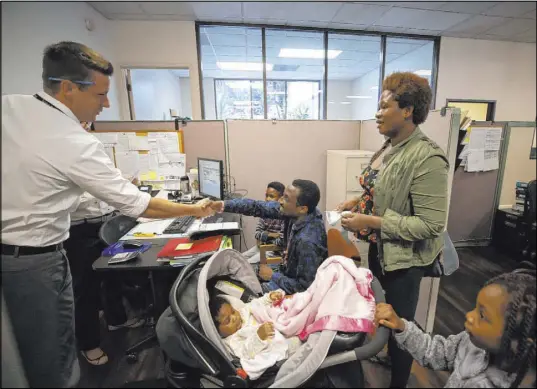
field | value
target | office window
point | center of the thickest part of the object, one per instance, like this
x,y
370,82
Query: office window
x,y
295,73
410,55
233,83
353,76
232,72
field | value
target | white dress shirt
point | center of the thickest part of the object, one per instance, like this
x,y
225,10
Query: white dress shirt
x,y
90,208
48,161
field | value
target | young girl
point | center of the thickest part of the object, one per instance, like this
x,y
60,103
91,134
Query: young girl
x,y
497,350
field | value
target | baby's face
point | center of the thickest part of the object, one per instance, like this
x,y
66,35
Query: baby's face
x,y
229,320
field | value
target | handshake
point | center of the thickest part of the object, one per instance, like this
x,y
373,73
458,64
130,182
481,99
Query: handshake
x,y
206,207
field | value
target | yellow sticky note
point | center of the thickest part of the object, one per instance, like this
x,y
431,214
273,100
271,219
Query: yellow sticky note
x,y
184,246
142,134
152,175
144,177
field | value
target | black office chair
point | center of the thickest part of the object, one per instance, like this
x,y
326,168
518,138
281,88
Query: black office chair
x,y
111,231
530,210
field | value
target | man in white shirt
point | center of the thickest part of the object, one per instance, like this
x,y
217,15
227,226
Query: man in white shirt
x,y
48,161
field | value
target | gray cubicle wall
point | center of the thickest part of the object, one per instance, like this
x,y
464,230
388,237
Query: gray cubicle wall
x,y
476,195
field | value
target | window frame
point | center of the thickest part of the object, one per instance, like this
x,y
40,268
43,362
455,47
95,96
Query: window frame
x,y
323,103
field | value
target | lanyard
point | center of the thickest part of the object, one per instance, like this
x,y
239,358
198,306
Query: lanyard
x,y
48,103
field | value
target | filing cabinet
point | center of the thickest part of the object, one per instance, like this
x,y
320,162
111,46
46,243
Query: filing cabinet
x,y
343,170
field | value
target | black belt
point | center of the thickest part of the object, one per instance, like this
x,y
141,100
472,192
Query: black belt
x,y
8,249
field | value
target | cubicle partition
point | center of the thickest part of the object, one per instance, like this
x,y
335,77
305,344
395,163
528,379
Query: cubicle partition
x,y
261,151
198,138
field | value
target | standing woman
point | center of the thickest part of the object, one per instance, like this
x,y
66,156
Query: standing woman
x,y
409,202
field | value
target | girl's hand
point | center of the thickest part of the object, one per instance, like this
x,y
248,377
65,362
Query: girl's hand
x,y
386,316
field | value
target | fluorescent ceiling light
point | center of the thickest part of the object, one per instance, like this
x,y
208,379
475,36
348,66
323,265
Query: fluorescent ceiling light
x,y
359,97
346,102
246,66
275,93
331,102
423,72
308,53
374,88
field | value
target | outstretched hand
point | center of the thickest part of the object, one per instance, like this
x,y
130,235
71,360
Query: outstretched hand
x,y
204,208
217,206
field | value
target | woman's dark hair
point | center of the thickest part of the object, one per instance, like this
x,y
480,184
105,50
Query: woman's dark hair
x,y
410,90
517,349
72,61
277,186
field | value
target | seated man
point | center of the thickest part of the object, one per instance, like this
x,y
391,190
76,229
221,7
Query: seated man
x,y
304,237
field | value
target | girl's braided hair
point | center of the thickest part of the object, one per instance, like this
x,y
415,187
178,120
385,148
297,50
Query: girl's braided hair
x,y
517,349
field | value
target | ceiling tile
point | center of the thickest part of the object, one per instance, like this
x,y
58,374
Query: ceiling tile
x,y
528,36
511,9
418,31
431,5
477,24
128,17
117,7
176,17
164,8
291,11
204,10
530,15
348,26
308,23
395,30
512,27
417,18
468,7
363,14
494,37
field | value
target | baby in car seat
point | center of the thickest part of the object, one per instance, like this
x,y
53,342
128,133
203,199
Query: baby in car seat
x,y
257,345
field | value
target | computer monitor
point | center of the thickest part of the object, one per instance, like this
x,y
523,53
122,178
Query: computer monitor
x,y
211,178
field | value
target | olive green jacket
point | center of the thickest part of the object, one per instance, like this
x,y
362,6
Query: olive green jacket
x,y
411,197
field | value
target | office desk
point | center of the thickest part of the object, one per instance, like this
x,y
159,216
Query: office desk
x,y
161,277
510,234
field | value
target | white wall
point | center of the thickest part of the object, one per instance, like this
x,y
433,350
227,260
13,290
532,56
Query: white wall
x,y
338,90
186,96
157,44
489,70
155,92
28,27
365,109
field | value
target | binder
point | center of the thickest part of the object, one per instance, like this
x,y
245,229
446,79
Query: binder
x,y
185,248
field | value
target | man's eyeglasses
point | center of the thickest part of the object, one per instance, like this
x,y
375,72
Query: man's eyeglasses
x,y
76,82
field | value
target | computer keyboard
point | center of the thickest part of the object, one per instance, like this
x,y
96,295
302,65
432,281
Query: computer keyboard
x,y
180,225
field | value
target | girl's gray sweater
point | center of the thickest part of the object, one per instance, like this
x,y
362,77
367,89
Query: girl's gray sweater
x,y
469,365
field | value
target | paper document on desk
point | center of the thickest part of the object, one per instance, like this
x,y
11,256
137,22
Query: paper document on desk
x,y
218,226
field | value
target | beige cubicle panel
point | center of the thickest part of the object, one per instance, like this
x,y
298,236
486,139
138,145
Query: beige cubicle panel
x,y
261,151
204,139
370,138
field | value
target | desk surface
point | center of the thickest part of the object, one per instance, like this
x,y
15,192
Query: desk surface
x,y
147,260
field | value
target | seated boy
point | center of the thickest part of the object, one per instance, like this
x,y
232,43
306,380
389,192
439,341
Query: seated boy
x,y
268,231
257,345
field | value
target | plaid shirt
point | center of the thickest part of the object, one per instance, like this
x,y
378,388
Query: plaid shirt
x,y
266,226
305,240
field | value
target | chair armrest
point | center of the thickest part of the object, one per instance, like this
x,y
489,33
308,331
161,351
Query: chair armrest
x,y
263,249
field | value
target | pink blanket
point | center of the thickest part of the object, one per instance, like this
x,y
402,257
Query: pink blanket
x,y
339,299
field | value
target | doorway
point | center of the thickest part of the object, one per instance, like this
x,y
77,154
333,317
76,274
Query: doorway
x,y
158,93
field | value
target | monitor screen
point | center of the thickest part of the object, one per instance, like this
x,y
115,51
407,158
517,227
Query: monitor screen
x,y
211,176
